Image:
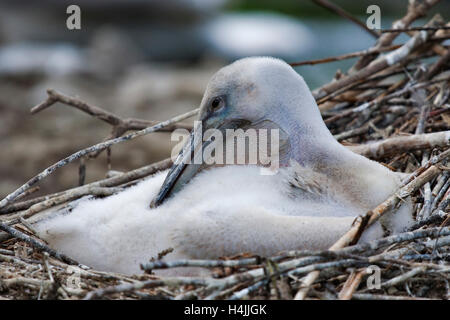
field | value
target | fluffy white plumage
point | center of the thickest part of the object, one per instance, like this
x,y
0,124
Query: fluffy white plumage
x,y
309,204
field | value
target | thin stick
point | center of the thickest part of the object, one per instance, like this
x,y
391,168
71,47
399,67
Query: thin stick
x,y
346,56
402,278
415,29
396,145
382,63
68,196
244,292
415,11
148,284
350,286
369,218
334,8
368,296
83,190
99,113
257,275
38,245
197,263
100,146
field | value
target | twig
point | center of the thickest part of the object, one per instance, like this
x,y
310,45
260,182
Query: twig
x,y
415,11
402,278
336,9
350,286
368,296
38,245
396,145
435,68
148,284
198,263
403,193
100,146
353,233
121,125
67,196
415,29
84,190
388,60
369,218
440,188
434,160
244,292
346,56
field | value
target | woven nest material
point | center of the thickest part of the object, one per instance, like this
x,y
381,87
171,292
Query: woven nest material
x,y
395,97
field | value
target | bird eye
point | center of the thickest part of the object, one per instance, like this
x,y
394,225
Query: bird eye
x,y
217,103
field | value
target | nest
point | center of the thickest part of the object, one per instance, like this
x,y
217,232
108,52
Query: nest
x,y
391,106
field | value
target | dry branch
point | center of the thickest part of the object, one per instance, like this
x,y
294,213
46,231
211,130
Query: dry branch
x,y
394,107
415,10
341,12
40,246
380,64
100,146
84,190
369,218
120,125
398,145
346,56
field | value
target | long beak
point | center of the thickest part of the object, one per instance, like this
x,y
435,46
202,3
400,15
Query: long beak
x,y
187,164
183,169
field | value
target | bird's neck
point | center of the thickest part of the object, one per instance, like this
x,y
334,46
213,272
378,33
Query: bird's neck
x,y
316,149
312,145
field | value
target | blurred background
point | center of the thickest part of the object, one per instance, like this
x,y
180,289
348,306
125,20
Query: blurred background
x,y
148,59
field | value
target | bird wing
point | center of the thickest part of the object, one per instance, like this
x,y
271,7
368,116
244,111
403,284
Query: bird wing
x,y
305,181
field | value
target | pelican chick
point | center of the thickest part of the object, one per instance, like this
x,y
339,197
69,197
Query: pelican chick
x,y
204,211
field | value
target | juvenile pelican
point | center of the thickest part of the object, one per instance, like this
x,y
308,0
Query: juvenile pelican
x,y
207,211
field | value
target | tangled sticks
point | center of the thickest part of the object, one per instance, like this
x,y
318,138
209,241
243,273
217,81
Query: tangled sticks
x,y
392,106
